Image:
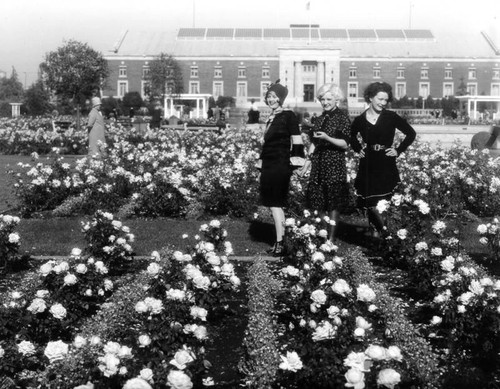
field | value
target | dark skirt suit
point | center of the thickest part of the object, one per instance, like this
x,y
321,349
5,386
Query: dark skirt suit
x,y
378,175
327,189
276,152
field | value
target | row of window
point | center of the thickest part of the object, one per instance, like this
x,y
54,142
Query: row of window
x,y
194,88
352,89
353,72
424,73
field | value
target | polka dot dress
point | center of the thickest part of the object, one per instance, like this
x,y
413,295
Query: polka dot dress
x,y
327,189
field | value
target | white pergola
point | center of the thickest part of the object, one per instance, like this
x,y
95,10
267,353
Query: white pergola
x,y
200,111
16,109
472,104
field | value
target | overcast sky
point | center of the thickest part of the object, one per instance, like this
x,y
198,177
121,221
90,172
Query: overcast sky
x,y
31,28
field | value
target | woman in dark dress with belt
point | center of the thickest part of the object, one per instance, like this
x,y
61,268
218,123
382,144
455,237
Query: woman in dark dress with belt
x,y
282,151
327,190
378,175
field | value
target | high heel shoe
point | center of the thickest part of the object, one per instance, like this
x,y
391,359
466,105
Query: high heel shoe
x,y
279,249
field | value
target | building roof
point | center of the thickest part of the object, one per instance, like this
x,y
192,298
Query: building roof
x,y
265,42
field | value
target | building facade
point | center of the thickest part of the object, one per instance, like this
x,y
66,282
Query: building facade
x,y
242,62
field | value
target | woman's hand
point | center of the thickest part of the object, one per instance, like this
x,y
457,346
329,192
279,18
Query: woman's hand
x,y
320,135
391,152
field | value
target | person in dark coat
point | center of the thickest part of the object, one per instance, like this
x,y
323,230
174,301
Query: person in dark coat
x,y
372,136
282,152
327,189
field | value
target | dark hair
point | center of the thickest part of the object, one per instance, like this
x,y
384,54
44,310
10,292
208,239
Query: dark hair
x,y
375,87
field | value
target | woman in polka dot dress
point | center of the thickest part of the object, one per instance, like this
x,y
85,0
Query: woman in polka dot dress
x,y
327,190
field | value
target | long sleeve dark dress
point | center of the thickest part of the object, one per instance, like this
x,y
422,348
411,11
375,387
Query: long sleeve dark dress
x,y
276,152
378,175
327,189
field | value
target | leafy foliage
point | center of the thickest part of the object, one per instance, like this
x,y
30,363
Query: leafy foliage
x,y
165,77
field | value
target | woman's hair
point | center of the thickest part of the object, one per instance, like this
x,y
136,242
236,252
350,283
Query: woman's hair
x,y
375,87
334,89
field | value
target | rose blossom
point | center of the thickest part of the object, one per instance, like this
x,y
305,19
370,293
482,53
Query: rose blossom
x,y
182,358
109,365
365,293
144,340
355,379
341,287
389,378
394,352
136,383
402,233
200,332
14,237
199,313
76,252
324,331
79,341
58,311
358,361
361,322
436,320
318,296
56,351
70,279
146,374
179,380
37,306
153,269
26,348
291,362
377,353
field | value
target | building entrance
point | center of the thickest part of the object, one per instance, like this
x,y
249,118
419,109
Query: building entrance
x,y
308,92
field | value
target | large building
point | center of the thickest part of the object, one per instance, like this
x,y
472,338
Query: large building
x,y
242,62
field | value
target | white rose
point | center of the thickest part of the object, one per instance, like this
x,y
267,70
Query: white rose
x,y
26,348
153,269
81,268
318,296
341,287
46,268
402,233
199,313
200,332
79,341
359,332
436,320
394,352
182,358
136,383
58,311
291,362
355,379
358,361
56,351
37,306
382,206
42,293
146,374
144,340
377,353
70,279
361,322
179,380
318,257
389,378
324,331
365,293
76,252
14,237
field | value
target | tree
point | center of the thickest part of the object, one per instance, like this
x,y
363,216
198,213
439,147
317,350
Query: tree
x,y
165,77
132,100
73,71
11,89
37,99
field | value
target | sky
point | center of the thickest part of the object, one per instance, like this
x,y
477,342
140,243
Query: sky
x,y
31,28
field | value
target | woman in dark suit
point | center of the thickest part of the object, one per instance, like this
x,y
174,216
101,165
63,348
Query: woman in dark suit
x,y
372,136
282,151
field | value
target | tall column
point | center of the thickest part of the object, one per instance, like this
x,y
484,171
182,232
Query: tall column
x,y
198,108
298,93
320,75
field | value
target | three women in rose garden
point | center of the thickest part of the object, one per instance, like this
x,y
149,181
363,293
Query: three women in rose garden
x,y
371,136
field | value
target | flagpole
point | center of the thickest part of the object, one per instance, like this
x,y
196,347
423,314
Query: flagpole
x,y
309,15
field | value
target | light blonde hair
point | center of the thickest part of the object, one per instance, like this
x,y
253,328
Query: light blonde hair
x,y
334,89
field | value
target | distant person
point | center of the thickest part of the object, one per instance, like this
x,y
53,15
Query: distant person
x,y
378,177
157,116
253,113
95,126
131,113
